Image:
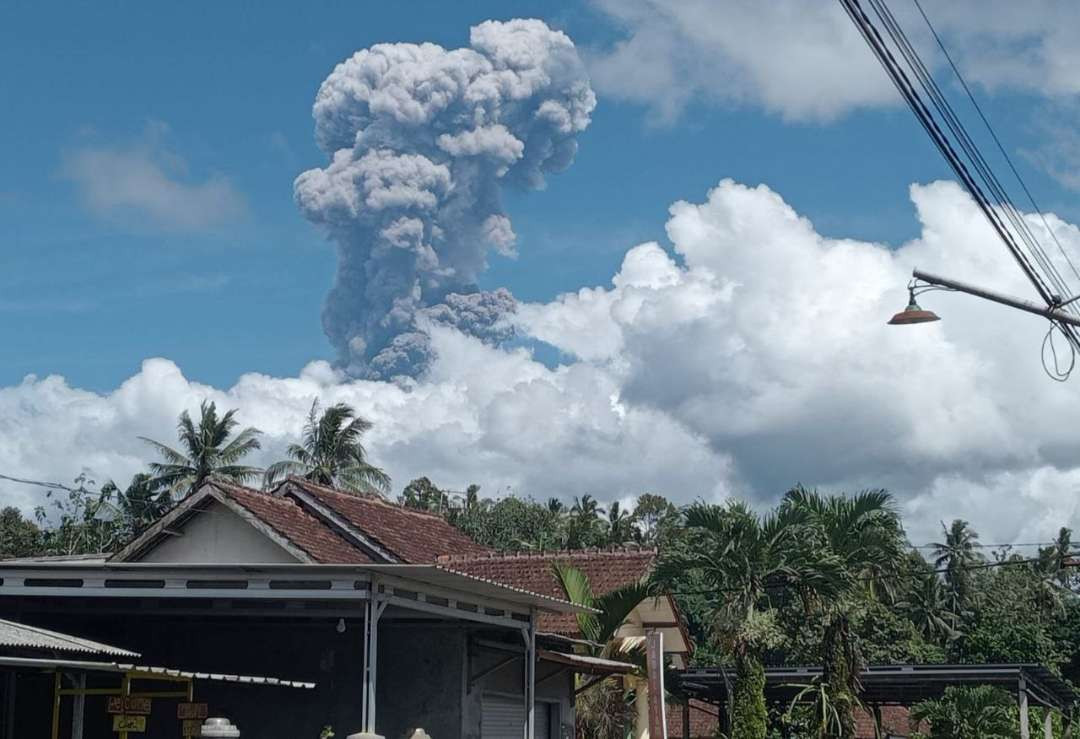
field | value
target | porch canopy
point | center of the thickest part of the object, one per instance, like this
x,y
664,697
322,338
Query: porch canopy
x,y
403,593
903,685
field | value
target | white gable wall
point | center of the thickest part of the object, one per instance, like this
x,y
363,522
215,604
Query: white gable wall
x,y
218,536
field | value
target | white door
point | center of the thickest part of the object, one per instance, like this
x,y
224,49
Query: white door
x,y
503,717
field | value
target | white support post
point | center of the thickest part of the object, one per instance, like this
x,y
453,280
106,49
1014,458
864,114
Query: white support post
x,y
367,659
371,655
1022,697
529,635
1048,723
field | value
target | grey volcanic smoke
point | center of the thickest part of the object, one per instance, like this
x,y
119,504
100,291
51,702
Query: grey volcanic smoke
x,y
420,141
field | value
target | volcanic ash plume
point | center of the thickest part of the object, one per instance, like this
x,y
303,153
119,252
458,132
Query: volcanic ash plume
x,y
420,141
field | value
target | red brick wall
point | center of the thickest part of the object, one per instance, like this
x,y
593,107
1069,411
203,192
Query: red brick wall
x,y
894,721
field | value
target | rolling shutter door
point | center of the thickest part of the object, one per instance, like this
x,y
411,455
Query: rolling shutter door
x,y
504,718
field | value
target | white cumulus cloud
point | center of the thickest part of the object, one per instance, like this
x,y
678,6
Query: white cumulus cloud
x,y
804,59
749,355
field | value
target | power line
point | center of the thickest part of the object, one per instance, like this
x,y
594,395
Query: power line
x,y
41,484
993,134
970,167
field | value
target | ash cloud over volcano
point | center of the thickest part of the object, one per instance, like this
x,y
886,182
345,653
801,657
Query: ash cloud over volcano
x,y
421,140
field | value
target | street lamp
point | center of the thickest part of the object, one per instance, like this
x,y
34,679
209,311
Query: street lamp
x,y
925,282
913,313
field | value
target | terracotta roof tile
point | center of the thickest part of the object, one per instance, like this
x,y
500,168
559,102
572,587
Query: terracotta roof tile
x,y
295,524
415,537
606,570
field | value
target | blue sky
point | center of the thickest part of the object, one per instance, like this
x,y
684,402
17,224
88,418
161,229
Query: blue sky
x,y
152,255
228,89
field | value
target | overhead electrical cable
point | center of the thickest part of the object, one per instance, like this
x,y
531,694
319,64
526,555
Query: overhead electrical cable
x,y
952,140
967,144
997,140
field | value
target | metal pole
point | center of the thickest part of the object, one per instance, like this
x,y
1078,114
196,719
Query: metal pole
x,y
530,677
1022,696
367,659
1018,303
373,659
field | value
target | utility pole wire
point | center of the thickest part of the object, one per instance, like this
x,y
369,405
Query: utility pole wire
x,y
40,483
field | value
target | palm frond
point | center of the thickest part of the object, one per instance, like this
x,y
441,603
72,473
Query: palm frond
x,y
171,455
575,585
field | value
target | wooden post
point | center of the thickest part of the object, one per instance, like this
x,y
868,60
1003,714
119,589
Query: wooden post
x,y
686,719
78,706
125,690
56,705
654,660
1022,697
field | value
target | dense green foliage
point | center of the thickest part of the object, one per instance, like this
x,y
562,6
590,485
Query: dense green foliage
x,y
820,579
982,711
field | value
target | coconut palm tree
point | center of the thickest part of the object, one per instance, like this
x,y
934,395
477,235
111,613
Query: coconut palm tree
x,y
331,453
620,525
1054,559
957,554
856,543
584,523
741,556
211,451
603,710
927,605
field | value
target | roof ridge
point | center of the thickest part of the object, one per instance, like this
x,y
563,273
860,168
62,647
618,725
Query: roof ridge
x,y
367,497
293,506
549,553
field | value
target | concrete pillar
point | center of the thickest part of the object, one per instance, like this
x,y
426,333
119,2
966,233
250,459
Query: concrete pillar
x,y
1022,698
1048,724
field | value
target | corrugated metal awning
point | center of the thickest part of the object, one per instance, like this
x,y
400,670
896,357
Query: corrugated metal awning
x,y
585,664
441,576
22,636
135,670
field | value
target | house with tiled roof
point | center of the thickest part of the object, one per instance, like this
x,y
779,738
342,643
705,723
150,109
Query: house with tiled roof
x,y
399,619
606,570
298,521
